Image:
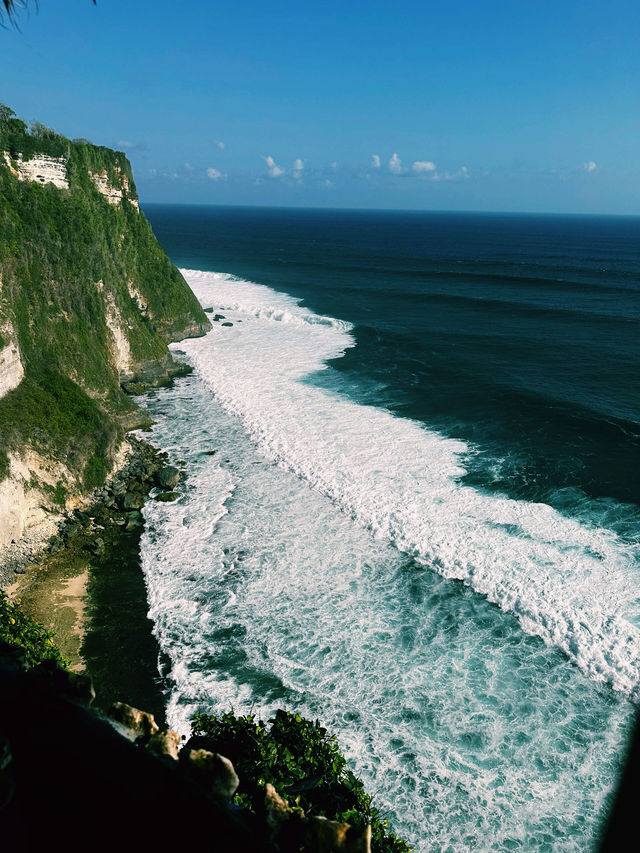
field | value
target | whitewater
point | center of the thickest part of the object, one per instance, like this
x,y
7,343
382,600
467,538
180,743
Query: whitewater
x,y
324,555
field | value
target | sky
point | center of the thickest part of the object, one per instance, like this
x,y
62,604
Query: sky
x,y
501,105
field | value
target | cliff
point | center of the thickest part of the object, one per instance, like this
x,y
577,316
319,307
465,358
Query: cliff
x,y
88,302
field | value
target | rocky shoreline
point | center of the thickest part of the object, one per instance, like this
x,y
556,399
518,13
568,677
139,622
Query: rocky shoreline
x,y
86,586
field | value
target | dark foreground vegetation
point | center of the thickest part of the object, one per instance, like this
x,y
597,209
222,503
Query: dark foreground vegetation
x,y
303,763
59,757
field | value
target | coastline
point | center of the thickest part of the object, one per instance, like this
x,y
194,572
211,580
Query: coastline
x,y
86,586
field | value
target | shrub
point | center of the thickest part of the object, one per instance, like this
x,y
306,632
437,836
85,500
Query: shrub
x,y
303,763
18,629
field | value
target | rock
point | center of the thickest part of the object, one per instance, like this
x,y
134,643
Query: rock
x,y
325,836
167,477
227,324
166,742
20,571
133,520
136,723
209,310
212,771
167,497
218,317
97,546
290,829
133,500
277,809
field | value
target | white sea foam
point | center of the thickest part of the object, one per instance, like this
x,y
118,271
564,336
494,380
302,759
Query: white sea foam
x,y
265,594
278,579
564,581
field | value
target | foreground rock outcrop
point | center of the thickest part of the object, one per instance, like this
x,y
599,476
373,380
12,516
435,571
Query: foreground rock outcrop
x,y
119,783
68,774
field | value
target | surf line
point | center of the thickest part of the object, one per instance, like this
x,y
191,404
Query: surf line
x,y
563,581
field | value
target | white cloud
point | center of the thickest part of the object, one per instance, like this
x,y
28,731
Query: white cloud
x,y
188,167
298,169
334,165
220,144
590,166
274,170
214,174
421,166
395,165
375,161
461,175
327,183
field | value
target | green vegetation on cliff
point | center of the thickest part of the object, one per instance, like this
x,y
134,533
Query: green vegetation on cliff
x,y
303,763
87,295
19,630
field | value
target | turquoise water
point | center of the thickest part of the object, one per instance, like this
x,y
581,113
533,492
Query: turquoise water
x,y
460,615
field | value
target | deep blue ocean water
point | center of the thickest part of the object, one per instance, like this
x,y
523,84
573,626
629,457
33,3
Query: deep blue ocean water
x,y
518,333
429,536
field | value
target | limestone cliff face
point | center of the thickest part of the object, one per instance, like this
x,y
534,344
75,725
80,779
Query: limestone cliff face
x,y
88,302
11,370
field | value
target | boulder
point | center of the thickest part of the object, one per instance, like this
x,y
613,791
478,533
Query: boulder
x,y
277,810
97,546
167,478
213,771
227,324
167,497
326,836
166,742
118,487
135,723
133,500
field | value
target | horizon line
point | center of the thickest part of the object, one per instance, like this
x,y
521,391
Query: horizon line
x,y
386,209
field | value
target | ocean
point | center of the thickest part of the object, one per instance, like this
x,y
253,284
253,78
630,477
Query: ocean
x,y
411,505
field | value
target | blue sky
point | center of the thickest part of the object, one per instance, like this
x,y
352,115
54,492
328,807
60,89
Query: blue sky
x,y
449,105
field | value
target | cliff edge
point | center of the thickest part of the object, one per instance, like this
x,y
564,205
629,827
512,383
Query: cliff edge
x,y
88,303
